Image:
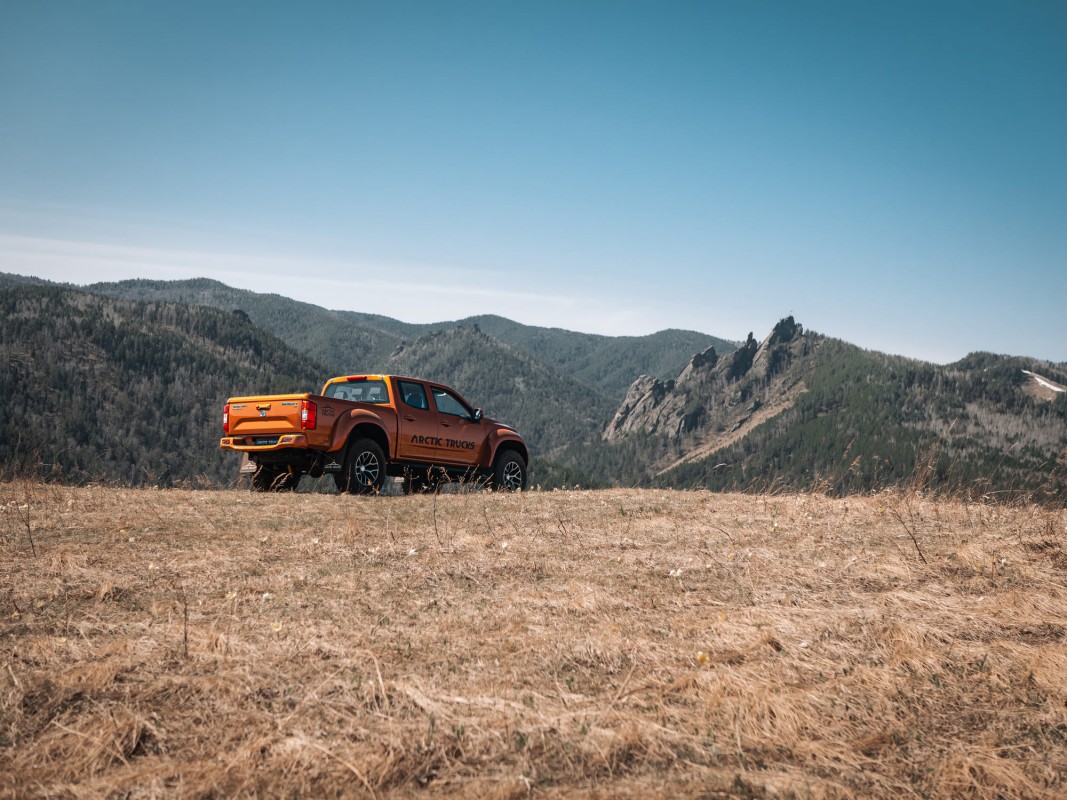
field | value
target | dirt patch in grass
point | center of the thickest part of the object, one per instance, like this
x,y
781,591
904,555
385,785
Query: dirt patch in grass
x,y
579,644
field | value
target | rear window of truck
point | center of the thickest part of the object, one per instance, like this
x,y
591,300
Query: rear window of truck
x,y
360,391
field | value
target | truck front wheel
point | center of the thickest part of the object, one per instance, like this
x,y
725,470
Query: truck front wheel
x,y
364,468
274,478
509,472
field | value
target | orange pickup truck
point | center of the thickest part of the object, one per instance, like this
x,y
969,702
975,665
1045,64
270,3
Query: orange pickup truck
x,y
363,428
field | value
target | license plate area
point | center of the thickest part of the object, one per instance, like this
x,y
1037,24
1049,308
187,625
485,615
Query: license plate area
x,y
264,441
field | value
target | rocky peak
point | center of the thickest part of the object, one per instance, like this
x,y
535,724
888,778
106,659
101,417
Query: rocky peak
x,y
698,363
713,396
742,358
784,332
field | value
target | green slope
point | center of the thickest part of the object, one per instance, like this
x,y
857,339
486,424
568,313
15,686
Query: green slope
x,y
129,390
868,421
350,341
332,338
97,389
549,408
611,363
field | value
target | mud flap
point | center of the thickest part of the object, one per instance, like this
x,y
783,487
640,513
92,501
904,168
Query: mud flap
x,y
248,466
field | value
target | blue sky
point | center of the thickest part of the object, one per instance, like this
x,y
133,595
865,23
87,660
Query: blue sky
x,y
892,173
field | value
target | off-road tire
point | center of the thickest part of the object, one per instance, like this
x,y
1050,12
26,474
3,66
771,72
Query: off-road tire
x,y
509,472
364,468
274,478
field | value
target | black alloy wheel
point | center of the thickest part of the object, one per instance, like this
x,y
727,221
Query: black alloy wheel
x,y
364,469
509,472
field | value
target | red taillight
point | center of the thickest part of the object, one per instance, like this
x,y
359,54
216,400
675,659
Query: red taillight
x,y
309,415
226,418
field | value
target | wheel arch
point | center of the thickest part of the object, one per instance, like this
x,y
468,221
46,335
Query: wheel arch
x,y
368,430
516,444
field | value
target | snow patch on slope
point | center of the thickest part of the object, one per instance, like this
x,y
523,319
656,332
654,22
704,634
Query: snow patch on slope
x,y
1045,382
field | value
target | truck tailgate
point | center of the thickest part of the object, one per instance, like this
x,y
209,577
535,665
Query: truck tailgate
x,y
265,418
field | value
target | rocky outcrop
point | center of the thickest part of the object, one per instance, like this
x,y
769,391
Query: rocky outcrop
x,y
643,397
698,363
741,361
712,396
771,353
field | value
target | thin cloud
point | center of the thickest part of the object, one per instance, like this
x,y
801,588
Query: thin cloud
x,y
414,293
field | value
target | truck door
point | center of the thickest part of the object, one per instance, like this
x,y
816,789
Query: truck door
x,y
418,436
462,440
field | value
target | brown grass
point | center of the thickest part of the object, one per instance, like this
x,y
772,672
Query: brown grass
x,y
578,644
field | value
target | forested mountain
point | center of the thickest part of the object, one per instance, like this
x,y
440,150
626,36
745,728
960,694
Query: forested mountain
x,y
339,341
96,389
349,341
609,363
551,407
802,410
9,281
131,390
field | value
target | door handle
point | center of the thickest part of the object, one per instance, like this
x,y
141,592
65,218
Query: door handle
x,y
410,419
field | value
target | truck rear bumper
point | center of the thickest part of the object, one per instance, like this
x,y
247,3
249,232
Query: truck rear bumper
x,y
289,449
263,443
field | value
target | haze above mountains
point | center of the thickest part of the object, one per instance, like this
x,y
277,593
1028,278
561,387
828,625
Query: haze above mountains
x,y
130,377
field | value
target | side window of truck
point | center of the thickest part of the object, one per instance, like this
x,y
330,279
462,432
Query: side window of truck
x,y
414,395
448,403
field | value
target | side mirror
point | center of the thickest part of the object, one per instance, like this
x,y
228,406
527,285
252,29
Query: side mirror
x,y
478,414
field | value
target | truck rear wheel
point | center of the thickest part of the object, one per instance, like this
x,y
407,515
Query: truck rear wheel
x,y
364,468
274,478
509,472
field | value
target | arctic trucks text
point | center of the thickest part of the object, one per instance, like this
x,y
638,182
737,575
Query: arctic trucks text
x,y
365,427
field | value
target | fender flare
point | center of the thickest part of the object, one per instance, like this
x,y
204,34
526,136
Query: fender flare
x,y
507,440
371,425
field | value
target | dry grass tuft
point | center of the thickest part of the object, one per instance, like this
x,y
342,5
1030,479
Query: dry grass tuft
x,y
579,644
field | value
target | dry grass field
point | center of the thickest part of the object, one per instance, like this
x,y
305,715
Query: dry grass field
x,y
562,644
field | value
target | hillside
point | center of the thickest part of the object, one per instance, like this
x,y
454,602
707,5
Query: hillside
x,y
96,389
350,341
803,410
609,363
87,367
715,400
630,644
343,344
796,409
11,281
549,408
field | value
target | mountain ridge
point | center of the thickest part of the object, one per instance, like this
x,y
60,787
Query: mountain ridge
x,y
808,410
352,341
796,408
98,389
